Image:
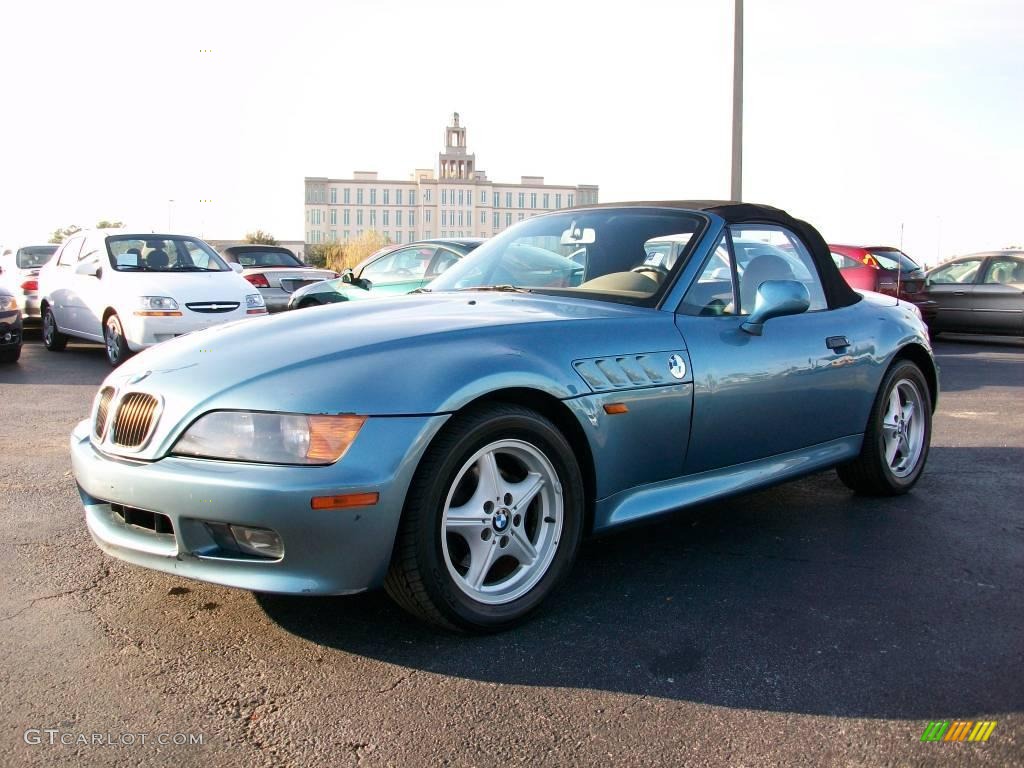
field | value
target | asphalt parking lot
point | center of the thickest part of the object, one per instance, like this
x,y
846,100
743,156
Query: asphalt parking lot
x,y
799,625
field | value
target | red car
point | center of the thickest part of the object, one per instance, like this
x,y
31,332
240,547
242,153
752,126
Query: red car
x,y
874,267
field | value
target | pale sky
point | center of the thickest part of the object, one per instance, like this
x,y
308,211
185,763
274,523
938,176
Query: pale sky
x,y
859,116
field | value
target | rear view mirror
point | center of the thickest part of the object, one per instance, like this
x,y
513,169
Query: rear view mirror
x,y
576,235
776,298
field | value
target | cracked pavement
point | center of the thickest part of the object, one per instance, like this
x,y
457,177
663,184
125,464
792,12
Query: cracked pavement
x,y
798,625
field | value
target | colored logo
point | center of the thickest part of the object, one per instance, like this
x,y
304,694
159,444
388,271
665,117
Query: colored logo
x,y
676,366
958,730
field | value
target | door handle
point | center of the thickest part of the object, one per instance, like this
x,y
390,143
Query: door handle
x,y
959,293
837,343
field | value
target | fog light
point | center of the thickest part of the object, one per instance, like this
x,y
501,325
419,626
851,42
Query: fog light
x,y
258,541
7,336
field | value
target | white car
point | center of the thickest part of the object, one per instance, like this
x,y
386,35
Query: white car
x,y
131,290
19,270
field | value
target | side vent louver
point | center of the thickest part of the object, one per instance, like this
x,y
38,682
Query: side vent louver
x,y
625,371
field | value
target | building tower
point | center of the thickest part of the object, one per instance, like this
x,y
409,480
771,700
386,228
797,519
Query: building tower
x,y
454,163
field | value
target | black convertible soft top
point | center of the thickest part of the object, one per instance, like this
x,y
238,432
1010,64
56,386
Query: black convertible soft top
x,y
837,291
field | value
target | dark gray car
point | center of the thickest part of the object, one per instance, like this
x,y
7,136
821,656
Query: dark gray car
x,y
979,293
10,327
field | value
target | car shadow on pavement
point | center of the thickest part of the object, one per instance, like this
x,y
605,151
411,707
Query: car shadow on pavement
x,y
802,598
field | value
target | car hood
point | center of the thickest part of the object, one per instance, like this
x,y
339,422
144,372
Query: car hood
x,y
405,355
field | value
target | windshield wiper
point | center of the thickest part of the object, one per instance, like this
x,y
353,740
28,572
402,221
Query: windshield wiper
x,y
504,288
420,290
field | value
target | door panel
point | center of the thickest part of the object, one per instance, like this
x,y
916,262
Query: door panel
x,y
953,310
758,396
66,301
950,290
91,289
999,299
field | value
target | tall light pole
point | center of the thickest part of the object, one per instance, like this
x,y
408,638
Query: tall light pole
x,y
736,190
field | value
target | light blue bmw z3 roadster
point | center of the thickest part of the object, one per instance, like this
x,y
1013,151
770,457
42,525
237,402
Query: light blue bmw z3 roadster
x,y
582,370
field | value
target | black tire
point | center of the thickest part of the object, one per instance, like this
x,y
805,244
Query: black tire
x,y
53,339
870,473
114,341
419,579
10,355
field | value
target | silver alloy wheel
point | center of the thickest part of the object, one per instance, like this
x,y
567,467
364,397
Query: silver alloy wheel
x,y
502,522
903,428
112,336
49,326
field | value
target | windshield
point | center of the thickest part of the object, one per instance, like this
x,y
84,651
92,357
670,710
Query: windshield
x,y
890,258
267,259
162,253
613,254
34,256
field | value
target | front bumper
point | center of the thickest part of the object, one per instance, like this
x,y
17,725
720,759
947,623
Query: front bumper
x,y
142,331
10,329
325,552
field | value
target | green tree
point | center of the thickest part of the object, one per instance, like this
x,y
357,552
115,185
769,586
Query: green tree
x,y
104,224
259,237
60,234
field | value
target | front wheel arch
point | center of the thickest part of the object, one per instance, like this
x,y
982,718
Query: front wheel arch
x,y
556,411
416,582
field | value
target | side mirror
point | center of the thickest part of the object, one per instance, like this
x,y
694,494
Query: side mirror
x,y
346,275
365,284
235,267
90,267
776,298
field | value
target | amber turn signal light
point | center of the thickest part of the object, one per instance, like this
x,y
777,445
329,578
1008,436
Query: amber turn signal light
x,y
345,501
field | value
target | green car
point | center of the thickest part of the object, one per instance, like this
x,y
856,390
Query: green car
x,y
393,270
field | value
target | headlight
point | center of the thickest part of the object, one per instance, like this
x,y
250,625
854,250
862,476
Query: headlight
x,y
254,300
7,303
272,438
157,303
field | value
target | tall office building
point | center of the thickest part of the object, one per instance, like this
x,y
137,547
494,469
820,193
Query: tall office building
x,y
456,200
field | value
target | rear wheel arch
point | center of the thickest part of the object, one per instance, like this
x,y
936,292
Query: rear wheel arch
x,y
918,355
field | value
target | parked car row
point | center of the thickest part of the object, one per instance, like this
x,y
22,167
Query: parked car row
x,y
91,287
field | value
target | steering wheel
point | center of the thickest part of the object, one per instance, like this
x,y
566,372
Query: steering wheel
x,y
658,269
